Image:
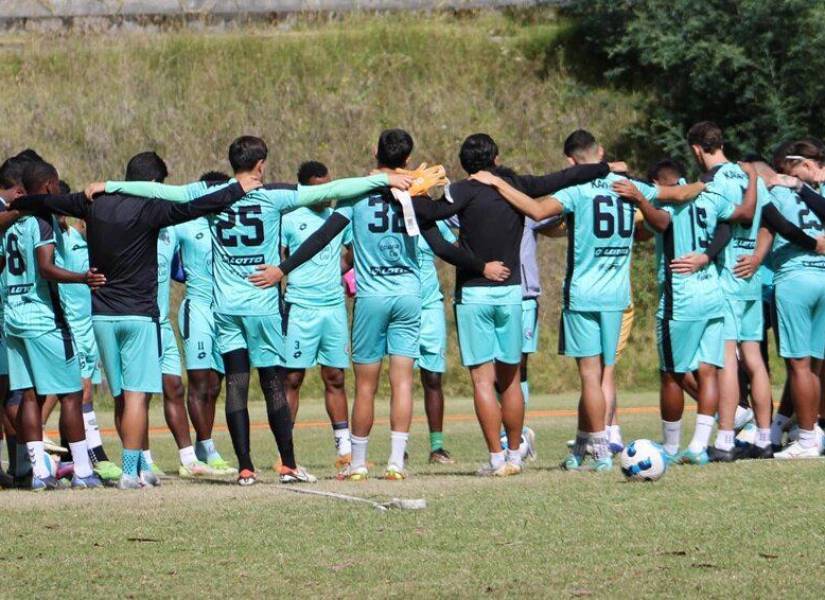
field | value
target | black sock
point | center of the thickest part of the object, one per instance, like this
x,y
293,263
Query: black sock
x,y
98,455
277,412
822,422
236,364
11,445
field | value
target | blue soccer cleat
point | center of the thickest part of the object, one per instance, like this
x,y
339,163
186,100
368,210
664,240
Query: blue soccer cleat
x,y
84,483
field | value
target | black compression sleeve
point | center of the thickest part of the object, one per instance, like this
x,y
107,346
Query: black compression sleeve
x,y
459,257
162,213
721,237
315,243
814,201
776,223
544,185
72,205
436,210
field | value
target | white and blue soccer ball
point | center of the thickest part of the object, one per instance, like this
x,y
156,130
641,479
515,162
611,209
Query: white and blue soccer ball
x,y
643,460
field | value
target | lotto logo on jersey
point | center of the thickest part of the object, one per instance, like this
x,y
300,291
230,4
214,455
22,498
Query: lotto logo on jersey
x,y
744,243
245,261
611,251
16,290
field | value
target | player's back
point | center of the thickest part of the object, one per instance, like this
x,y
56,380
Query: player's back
x,y
32,303
245,236
73,255
386,260
195,244
600,228
788,258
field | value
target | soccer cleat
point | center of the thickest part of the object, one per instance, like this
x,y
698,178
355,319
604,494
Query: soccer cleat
x,y
220,467
296,475
149,479
795,451
820,438
353,474
588,449
194,470
717,455
90,482
49,447
342,460
23,482
393,473
39,484
247,477
528,436
6,480
742,419
602,465
687,457
747,435
65,470
572,463
670,459
441,457
752,451
129,482
486,470
158,472
507,470
108,471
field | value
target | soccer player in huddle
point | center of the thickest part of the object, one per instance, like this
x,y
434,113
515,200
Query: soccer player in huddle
x,y
387,316
247,316
315,314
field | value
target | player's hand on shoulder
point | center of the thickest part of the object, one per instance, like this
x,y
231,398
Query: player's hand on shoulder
x,y
266,276
749,169
249,182
496,271
94,279
748,264
617,167
689,263
94,189
626,189
400,181
486,178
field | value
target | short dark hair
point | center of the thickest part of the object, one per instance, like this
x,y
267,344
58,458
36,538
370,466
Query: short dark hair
x,y
65,188
29,155
36,174
707,135
245,152
11,172
310,169
478,153
666,164
146,166
579,142
215,176
394,148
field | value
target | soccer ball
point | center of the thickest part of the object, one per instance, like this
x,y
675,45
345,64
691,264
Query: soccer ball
x,y
643,460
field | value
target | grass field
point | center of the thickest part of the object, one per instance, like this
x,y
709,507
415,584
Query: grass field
x,y
744,530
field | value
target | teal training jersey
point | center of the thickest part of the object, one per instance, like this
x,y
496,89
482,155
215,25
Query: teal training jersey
x,y
386,261
317,282
698,296
786,257
731,182
73,255
600,239
195,246
30,310
430,285
167,246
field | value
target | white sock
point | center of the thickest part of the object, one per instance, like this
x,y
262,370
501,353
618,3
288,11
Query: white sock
x,y
187,455
80,457
724,439
671,435
93,439
37,458
359,451
497,459
398,445
778,427
701,435
614,434
147,457
514,457
599,441
807,438
342,441
763,437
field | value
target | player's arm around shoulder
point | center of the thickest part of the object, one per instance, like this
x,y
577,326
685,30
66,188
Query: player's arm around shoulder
x,y
744,212
537,210
155,190
641,195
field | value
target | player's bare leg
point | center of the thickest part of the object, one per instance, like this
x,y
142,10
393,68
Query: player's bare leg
x,y
434,408
611,418
401,406
335,401
671,408
761,395
294,381
591,420
804,388
363,414
202,395
486,377
723,448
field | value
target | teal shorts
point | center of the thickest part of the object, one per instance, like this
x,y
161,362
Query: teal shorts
x,y
130,351
170,354
4,355
432,346
488,332
800,315
260,336
87,353
586,334
685,344
385,325
317,335
197,328
48,363
744,320
529,325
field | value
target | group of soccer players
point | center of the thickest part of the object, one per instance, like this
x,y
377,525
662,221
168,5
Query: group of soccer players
x,y
86,279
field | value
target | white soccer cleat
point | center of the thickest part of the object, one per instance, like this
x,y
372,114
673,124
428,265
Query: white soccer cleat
x,y
528,445
795,451
743,417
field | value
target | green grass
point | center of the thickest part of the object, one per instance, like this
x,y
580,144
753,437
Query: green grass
x,y
748,529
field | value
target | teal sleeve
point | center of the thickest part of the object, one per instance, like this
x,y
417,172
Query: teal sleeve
x,y
341,189
648,191
158,191
345,209
347,240
446,232
567,198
